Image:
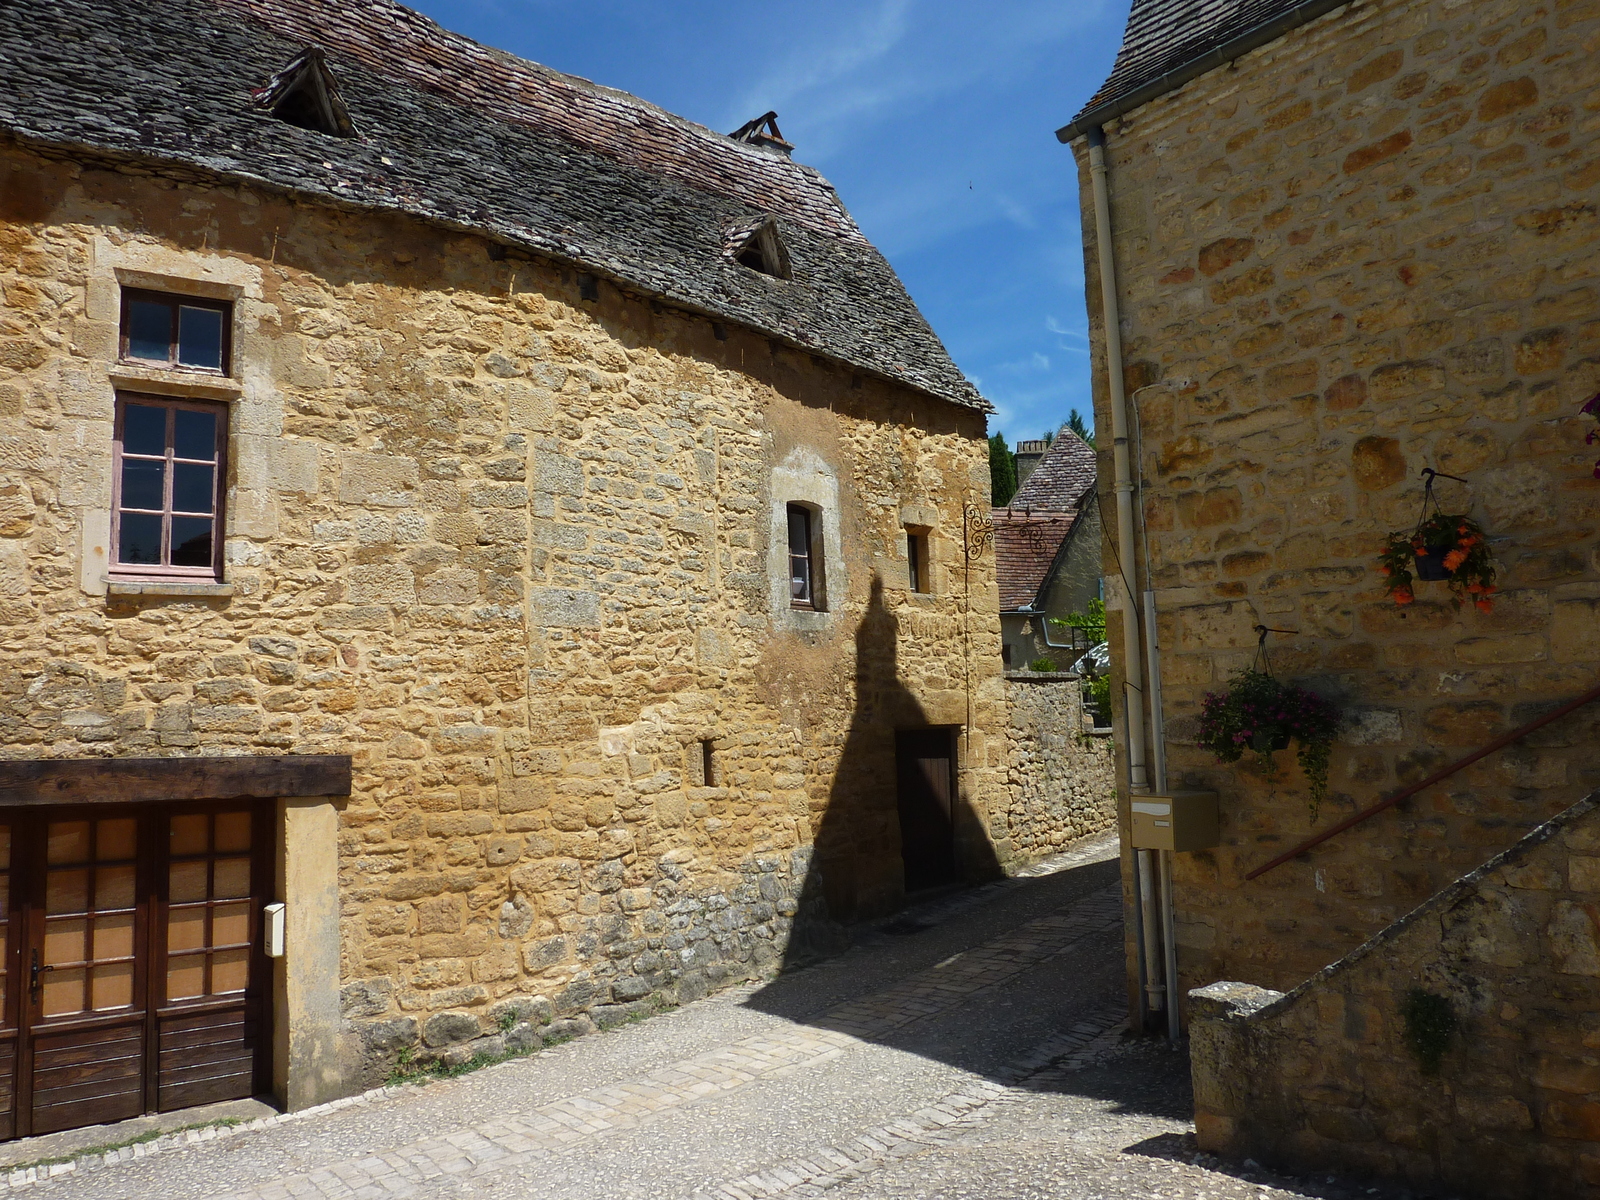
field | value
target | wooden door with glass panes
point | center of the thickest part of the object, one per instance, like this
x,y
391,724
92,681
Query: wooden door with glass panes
x,y
135,980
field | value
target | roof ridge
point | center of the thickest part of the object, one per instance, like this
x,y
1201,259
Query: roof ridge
x,y
310,21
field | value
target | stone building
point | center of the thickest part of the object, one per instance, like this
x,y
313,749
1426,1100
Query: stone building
x,y
1341,244
1047,553
519,530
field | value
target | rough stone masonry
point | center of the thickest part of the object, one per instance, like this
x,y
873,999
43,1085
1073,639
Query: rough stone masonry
x,y
1365,248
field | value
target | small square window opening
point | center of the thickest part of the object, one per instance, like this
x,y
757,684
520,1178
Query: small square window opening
x,y
918,574
182,332
167,487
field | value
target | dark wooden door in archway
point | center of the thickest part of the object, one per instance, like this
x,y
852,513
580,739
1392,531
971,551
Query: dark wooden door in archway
x,y
925,797
134,979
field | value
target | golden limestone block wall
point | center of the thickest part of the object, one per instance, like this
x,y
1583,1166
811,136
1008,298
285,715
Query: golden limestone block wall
x,y
520,554
1367,248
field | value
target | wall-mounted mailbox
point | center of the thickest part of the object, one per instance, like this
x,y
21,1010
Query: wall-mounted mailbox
x,y
1179,821
274,922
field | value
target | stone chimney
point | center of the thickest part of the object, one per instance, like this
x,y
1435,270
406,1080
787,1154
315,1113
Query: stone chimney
x,y
1028,455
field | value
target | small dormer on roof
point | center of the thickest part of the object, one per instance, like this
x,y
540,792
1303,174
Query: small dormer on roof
x,y
763,131
759,246
305,93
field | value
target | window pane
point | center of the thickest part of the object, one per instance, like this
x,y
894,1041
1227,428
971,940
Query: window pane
x,y
230,925
186,929
149,330
189,834
63,992
200,337
144,429
799,554
191,541
66,941
113,937
113,986
68,842
232,878
113,887
188,881
142,480
140,538
194,434
67,892
186,977
230,971
191,490
115,839
233,831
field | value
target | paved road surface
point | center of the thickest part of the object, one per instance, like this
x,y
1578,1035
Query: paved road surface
x,y
968,1048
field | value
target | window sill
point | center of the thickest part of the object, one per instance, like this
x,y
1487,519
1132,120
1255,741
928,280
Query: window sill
x,y
166,587
169,382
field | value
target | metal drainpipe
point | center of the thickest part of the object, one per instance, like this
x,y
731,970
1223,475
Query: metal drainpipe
x,y
1154,975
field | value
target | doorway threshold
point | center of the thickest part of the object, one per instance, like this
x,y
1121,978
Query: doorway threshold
x,y
69,1144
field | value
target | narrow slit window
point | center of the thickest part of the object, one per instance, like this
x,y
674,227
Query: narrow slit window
x,y
802,592
167,487
708,763
917,573
180,332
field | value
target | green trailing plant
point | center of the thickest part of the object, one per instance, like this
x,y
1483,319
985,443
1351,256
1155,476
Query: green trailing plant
x,y
1042,664
1429,1022
1091,622
1260,714
1097,693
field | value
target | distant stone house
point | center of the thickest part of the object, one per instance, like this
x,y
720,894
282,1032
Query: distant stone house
x,y
518,530
1047,554
1339,244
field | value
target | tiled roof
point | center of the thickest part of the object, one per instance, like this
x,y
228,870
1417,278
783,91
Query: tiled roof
x,y
473,138
1061,477
1025,546
1165,35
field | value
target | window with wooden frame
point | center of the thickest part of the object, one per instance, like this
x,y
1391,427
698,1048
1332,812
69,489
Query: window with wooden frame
x,y
919,574
166,511
805,558
185,333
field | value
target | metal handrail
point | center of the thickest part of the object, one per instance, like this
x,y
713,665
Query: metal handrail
x,y
1405,794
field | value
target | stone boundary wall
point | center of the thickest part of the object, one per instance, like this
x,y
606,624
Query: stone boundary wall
x,y
1060,786
1324,1078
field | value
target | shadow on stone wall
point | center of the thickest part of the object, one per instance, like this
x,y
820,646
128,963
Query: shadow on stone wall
x,y
856,870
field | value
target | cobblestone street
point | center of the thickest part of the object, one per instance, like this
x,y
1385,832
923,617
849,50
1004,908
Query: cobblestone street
x,y
970,1047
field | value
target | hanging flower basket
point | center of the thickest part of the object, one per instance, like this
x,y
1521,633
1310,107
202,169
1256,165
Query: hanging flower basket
x,y
1449,548
1260,714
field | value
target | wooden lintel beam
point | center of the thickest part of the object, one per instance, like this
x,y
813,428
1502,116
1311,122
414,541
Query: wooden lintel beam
x,y
153,780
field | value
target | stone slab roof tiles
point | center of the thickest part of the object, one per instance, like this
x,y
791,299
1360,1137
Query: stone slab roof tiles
x,y
1163,36
472,138
1063,475
1025,546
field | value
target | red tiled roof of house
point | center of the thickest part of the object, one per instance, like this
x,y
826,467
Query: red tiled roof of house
x,y
1025,545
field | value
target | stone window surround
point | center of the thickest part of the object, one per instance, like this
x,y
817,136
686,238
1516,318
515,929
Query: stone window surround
x,y
805,477
88,397
921,520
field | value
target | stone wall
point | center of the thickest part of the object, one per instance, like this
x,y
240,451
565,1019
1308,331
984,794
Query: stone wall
x,y
1061,785
1326,1077
505,535
1368,247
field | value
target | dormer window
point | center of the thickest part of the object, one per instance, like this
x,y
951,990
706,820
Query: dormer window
x,y
305,93
761,249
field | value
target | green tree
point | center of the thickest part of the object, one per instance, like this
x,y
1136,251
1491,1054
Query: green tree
x,y
1002,471
1076,423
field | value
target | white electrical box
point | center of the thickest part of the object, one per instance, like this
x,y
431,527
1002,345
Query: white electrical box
x,y
1178,821
273,920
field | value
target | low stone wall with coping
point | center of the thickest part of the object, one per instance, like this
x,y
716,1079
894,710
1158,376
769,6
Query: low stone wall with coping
x,y
1060,780
1496,979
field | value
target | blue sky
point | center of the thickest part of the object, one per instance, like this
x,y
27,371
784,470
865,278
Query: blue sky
x,y
933,118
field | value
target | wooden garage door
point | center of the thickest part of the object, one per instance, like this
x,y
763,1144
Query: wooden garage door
x,y
134,977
